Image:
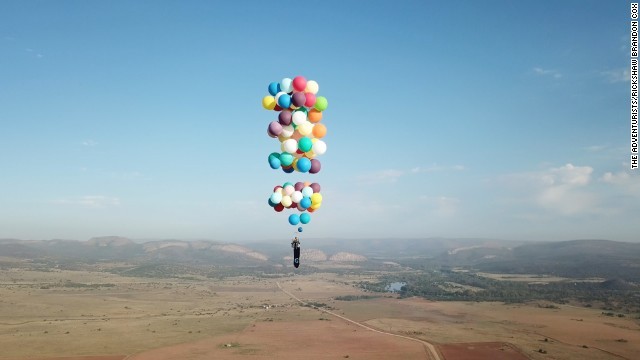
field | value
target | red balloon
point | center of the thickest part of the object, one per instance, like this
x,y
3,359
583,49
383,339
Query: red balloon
x,y
276,188
299,83
277,108
278,207
310,100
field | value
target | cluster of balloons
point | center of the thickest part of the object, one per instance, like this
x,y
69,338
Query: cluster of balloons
x,y
298,125
303,196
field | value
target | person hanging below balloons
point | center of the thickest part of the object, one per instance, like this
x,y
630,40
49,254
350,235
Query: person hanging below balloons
x,y
295,244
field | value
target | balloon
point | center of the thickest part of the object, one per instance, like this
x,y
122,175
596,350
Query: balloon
x,y
288,169
300,229
305,144
299,83
307,191
278,207
315,187
305,128
315,166
312,87
286,85
298,99
309,99
288,190
315,206
276,198
287,131
319,147
321,103
296,196
316,198
319,131
274,88
271,203
298,117
284,117
311,210
268,102
290,145
286,201
275,128
305,218
286,159
277,188
314,115
294,219
274,160
284,100
305,202
304,165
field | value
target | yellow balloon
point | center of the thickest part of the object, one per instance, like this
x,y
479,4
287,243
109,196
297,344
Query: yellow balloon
x,y
316,199
310,154
295,164
316,206
286,201
269,102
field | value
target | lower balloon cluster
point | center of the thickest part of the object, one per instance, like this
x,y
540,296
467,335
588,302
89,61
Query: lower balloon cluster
x,y
302,196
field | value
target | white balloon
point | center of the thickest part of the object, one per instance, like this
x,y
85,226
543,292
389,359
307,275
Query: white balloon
x,y
296,196
287,131
305,128
286,85
298,117
278,95
276,197
307,191
312,87
286,201
288,190
290,146
319,147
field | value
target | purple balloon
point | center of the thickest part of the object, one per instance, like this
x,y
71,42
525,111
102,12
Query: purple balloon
x,y
315,166
315,187
298,99
299,186
285,117
275,128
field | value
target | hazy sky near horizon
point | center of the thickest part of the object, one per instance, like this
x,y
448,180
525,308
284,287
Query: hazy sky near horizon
x,y
143,119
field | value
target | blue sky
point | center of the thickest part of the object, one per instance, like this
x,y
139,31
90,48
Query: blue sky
x,y
497,119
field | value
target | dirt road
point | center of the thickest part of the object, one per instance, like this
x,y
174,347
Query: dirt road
x,y
430,350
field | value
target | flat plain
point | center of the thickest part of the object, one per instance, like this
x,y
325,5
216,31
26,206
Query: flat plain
x,y
97,315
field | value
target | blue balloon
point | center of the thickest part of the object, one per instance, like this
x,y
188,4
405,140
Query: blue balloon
x,y
294,219
274,162
305,202
271,203
300,229
304,165
274,88
305,218
284,101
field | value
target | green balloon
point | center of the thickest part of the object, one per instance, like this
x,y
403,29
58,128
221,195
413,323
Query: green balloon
x,y
304,144
286,159
303,109
321,103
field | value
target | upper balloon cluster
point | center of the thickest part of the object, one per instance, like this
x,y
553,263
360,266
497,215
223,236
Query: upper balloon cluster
x,y
298,126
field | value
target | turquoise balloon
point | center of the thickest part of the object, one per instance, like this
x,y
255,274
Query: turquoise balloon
x,y
286,159
305,144
285,184
294,219
304,165
305,203
305,218
274,160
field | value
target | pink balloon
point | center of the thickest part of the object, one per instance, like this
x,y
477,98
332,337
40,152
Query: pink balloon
x,y
310,100
299,83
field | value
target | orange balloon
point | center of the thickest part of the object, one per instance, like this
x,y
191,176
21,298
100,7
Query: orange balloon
x,y
310,209
314,115
319,130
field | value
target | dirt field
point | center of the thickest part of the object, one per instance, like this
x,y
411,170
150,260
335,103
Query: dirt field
x,y
481,351
47,314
